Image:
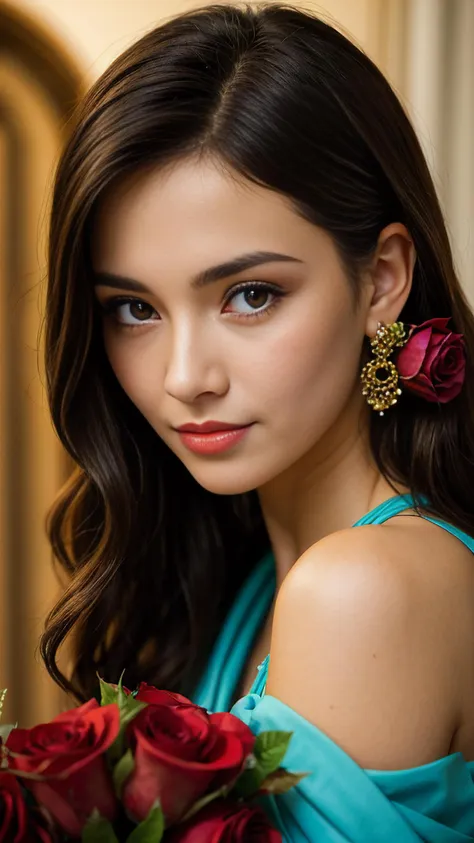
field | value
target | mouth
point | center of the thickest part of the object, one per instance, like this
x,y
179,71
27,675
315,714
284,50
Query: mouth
x,y
209,427
214,441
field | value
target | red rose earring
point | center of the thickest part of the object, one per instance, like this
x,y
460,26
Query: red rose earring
x,y
431,363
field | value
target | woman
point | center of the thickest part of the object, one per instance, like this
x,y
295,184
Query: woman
x,y
245,235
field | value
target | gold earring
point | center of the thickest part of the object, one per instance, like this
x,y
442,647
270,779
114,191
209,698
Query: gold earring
x,y
380,376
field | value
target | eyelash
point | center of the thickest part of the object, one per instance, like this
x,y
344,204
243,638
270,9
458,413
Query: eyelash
x,y
111,306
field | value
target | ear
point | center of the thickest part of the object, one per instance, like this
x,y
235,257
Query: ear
x,y
390,276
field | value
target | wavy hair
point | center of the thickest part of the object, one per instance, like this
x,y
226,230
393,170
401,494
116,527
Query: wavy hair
x,y
277,95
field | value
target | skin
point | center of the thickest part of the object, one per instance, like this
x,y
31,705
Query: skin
x,y
356,645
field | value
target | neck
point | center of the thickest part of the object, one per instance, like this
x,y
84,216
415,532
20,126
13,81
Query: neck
x,y
327,490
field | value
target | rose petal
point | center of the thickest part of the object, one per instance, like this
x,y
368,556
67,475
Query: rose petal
x,y
410,358
433,350
149,694
448,368
422,386
158,778
449,361
224,821
70,801
440,324
447,391
75,713
455,343
227,722
180,737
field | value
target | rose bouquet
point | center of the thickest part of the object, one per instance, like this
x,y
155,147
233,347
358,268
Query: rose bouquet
x,y
140,767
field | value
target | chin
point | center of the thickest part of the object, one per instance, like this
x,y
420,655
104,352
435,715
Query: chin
x,y
225,485
228,478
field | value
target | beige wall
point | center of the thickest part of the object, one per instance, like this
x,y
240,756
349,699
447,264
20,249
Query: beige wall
x,y
439,83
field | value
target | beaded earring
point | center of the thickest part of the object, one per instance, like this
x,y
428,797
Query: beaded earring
x,y
380,375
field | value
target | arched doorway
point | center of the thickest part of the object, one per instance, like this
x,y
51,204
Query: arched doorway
x,y
39,86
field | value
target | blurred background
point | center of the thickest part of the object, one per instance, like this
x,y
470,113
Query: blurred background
x,y
50,52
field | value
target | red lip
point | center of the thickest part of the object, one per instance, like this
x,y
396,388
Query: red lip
x,y
209,427
215,442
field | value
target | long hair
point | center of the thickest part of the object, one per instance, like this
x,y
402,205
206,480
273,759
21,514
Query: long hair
x,y
283,99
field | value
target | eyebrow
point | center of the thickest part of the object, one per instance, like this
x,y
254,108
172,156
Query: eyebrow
x,y
202,279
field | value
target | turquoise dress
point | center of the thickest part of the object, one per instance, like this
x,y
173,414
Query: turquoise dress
x,y
339,802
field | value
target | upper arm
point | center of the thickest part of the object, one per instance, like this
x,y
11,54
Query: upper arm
x,y
358,650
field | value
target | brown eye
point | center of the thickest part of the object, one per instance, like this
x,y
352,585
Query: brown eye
x,y
141,310
253,299
129,312
256,297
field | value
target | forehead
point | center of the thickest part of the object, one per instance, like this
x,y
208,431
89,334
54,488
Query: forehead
x,y
197,207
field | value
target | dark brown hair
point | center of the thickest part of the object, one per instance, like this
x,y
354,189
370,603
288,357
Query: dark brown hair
x,y
288,102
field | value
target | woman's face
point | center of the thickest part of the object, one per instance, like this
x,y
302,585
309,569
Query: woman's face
x,y
274,345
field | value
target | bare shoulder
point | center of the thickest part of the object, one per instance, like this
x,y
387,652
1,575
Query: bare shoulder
x,y
364,644
360,559
407,556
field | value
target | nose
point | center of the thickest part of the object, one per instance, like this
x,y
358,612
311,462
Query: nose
x,y
195,366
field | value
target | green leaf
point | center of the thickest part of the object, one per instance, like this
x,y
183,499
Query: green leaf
x,y
108,694
248,783
128,709
281,780
98,830
151,830
122,771
128,705
268,752
270,749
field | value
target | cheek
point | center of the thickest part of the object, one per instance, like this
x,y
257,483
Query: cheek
x,y
312,369
137,370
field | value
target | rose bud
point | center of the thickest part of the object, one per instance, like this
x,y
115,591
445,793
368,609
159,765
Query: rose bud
x,y
181,753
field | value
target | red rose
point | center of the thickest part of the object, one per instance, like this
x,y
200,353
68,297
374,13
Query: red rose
x,y
69,754
226,822
432,362
182,753
226,722
13,814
